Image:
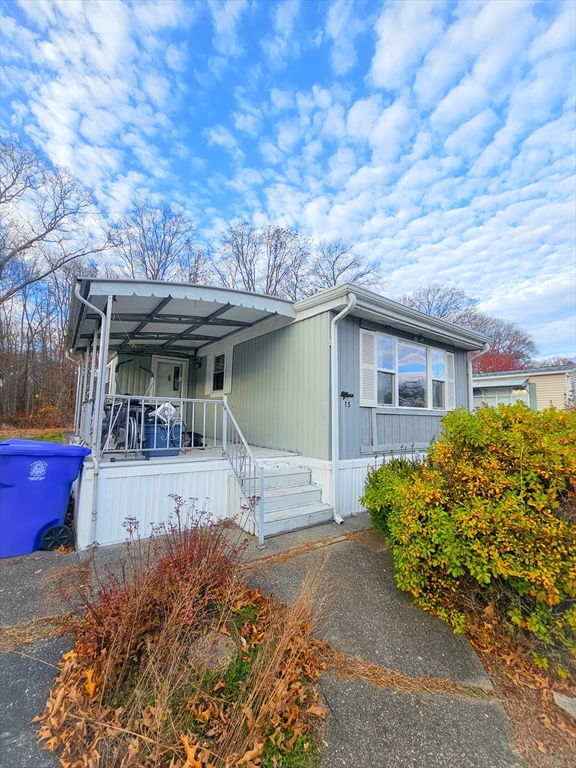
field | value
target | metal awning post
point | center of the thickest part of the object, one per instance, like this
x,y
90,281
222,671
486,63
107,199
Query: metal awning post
x,y
85,376
102,362
101,382
93,346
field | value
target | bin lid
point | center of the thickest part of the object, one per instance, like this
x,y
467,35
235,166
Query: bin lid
x,y
37,447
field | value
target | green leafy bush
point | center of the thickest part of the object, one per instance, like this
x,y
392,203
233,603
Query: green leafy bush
x,y
491,509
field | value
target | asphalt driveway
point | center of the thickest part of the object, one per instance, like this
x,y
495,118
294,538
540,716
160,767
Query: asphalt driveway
x,y
366,617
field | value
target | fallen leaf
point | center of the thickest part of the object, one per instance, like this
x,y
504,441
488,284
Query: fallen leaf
x,y
316,710
251,754
90,685
219,684
190,752
52,743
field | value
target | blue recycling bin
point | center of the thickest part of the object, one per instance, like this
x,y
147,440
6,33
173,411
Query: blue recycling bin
x,y
35,483
163,441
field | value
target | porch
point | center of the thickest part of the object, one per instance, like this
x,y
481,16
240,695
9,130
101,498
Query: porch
x,y
149,441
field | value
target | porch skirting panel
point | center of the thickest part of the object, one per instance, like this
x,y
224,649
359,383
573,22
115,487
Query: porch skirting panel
x,y
141,490
352,480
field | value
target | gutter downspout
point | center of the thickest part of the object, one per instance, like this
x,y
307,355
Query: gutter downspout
x,y
98,400
335,403
485,348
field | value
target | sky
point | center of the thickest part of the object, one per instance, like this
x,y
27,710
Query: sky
x,y
437,137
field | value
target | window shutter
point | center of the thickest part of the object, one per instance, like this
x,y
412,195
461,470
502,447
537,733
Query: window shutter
x,y
209,375
450,383
228,370
368,379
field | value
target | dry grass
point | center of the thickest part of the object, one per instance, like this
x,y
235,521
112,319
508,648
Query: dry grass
x,y
352,668
16,635
133,692
291,554
55,435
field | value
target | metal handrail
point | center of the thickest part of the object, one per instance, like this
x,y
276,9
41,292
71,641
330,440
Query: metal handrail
x,y
249,473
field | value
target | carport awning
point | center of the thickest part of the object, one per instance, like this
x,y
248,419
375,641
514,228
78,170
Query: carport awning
x,y
167,318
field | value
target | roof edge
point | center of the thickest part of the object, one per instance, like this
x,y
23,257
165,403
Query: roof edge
x,y
388,309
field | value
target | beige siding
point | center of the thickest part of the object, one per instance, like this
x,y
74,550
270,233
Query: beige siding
x,y
280,388
550,390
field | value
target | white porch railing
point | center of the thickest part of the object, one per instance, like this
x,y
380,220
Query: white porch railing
x,y
86,427
159,426
164,426
249,474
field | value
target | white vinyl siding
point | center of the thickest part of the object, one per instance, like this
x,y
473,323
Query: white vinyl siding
x,y
228,370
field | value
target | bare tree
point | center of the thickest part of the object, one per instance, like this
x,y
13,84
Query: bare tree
x,y
442,301
196,267
270,260
33,328
553,362
238,259
48,218
334,262
506,338
280,261
285,253
156,242
511,346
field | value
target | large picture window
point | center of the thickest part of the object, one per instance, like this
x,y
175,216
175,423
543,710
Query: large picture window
x,y
404,374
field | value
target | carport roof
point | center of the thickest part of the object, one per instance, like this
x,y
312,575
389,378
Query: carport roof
x,y
167,318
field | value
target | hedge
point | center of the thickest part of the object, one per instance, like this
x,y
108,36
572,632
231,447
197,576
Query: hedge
x,y
492,506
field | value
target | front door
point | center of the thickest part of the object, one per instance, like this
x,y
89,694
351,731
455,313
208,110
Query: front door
x,y
170,377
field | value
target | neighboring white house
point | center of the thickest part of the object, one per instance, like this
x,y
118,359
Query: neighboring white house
x,y
263,409
537,387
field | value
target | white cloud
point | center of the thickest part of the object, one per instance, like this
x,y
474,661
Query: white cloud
x,y
362,116
393,129
226,16
470,138
281,100
177,57
283,42
221,137
406,31
342,26
462,103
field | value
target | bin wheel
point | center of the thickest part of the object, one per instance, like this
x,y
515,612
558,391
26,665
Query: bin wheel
x,y
57,536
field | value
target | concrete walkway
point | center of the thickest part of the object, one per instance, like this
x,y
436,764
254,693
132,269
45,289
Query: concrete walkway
x,y
366,617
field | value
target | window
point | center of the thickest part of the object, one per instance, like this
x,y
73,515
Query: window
x,y
412,375
218,379
218,376
386,369
438,378
403,374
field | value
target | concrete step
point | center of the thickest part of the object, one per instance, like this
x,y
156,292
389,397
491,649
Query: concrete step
x,y
292,497
284,520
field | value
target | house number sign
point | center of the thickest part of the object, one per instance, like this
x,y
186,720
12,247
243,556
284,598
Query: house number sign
x,y
347,397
